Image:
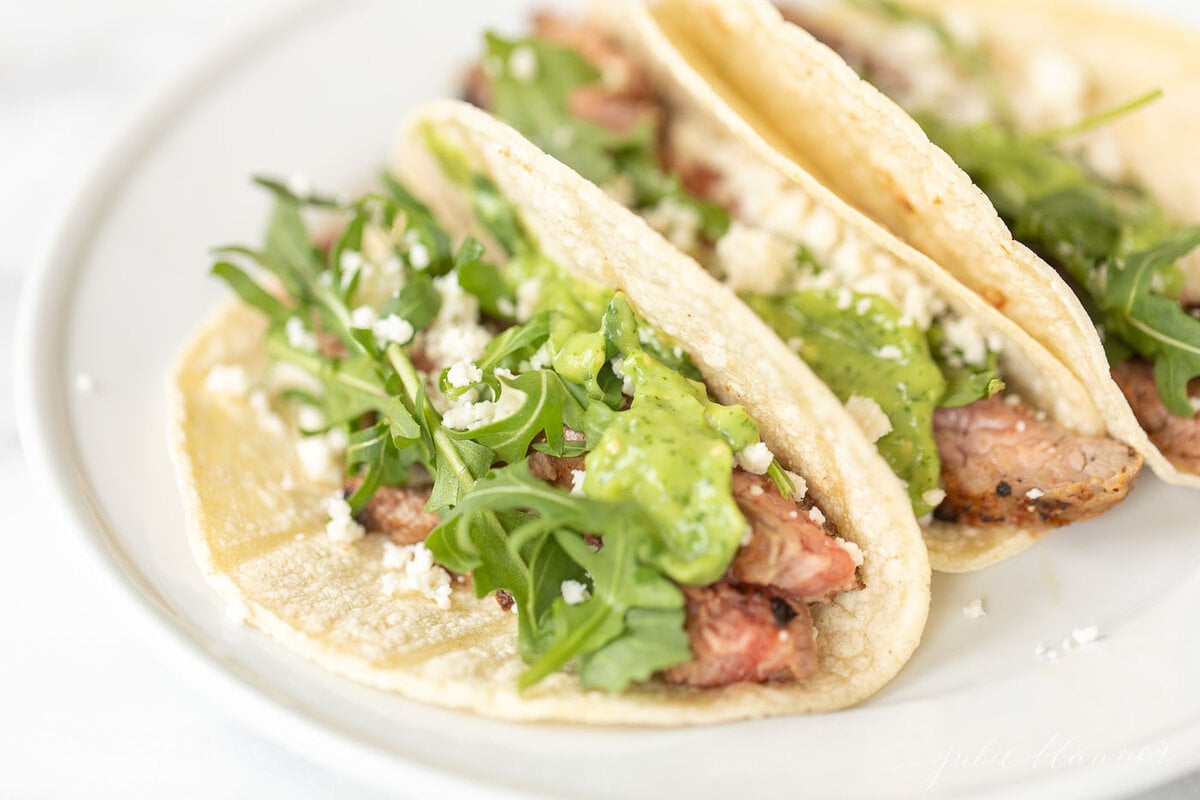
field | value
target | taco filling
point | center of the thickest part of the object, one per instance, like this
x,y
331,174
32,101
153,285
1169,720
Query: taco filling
x,y
923,378
505,424
1055,175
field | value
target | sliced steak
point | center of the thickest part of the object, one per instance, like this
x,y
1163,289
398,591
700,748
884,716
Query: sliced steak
x,y
741,633
397,511
1002,465
1177,437
789,549
555,470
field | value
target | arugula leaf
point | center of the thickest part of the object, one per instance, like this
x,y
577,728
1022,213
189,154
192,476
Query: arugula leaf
x,y
250,293
1113,242
633,622
418,302
654,640
1156,326
546,408
540,107
421,228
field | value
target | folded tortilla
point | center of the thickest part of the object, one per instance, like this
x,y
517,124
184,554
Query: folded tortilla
x,y
875,158
694,50
257,524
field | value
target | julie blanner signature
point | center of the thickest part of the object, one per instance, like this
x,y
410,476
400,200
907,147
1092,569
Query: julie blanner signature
x,y
1060,751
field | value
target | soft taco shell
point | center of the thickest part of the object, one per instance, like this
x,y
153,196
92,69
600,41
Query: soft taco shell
x,y
690,47
802,100
264,548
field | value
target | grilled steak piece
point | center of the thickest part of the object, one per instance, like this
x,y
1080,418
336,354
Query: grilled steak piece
x,y
1002,465
555,470
744,634
788,549
1177,437
398,511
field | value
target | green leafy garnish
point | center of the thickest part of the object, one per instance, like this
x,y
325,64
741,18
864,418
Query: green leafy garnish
x,y
1112,241
630,627
965,382
539,106
555,371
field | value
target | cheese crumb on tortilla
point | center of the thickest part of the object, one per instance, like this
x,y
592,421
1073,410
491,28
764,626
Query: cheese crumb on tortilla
x,y
869,416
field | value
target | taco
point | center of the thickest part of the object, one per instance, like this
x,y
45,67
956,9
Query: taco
x,y
1054,110
566,504
996,440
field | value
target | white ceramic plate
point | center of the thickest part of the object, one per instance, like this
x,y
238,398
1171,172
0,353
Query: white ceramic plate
x,y
976,713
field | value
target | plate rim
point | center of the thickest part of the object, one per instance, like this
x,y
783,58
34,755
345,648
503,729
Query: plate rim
x,y
48,443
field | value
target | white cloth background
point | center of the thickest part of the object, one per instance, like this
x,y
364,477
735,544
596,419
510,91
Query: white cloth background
x,y
85,706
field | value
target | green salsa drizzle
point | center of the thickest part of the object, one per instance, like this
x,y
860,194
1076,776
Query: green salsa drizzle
x,y
658,479
871,355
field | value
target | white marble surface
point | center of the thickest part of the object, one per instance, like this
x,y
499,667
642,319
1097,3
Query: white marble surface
x,y
84,704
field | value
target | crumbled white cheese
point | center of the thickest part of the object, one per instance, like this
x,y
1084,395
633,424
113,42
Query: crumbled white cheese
x,y
85,383
844,298
756,491
816,515
342,527
756,458
310,418
418,256
364,318
456,334
321,454
529,291
1045,653
800,484
966,339
820,231
1053,93
463,373
468,414
891,352
412,569
523,63
299,336
574,592
227,379
861,308
934,497
747,535
869,416
618,368
1082,636
541,358
1034,494
974,609
1195,401
856,553
266,418
392,329
679,223
751,259
577,478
